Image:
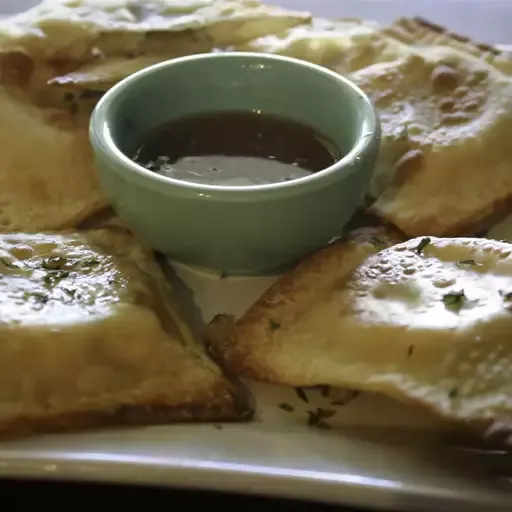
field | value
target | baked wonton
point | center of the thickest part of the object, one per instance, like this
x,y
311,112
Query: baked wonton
x,y
254,347
91,336
344,45
48,178
420,32
445,158
427,321
80,29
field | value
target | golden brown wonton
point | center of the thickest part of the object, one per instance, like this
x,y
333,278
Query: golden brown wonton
x,y
445,158
92,336
47,175
426,321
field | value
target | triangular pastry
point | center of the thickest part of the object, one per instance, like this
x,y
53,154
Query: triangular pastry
x,y
91,335
48,178
445,157
426,321
344,45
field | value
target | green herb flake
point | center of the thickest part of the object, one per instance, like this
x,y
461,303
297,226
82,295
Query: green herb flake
x,y
286,407
274,326
90,262
302,395
377,243
54,263
317,418
69,291
507,296
453,393
324,391
410,351
38,299
52,278
454,301
467,263
423,243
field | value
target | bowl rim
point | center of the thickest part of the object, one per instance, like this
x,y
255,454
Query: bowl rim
x,y
104,146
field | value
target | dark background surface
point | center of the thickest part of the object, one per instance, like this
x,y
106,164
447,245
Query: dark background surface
x,y
87,497
486,20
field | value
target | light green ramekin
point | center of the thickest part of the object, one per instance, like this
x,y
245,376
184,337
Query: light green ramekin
x,y
235,229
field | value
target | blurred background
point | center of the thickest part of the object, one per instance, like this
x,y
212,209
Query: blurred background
x,y
488,21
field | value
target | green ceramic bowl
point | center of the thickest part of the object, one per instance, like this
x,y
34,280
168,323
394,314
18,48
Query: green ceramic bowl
x,y
235,229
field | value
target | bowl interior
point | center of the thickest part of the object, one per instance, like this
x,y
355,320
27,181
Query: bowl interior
x,y
238,82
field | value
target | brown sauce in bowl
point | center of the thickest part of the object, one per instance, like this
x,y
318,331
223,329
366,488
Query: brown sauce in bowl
x,y
235,149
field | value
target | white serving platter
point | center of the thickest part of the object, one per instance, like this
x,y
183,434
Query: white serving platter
x,y
378,453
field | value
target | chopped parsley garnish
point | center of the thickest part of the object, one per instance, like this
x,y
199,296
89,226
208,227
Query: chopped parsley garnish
x,y
324,391
69,291
317,418
410,351
423,243
274,326
54,277
377,243
38,299
455,300
506,296
286,407
54,263
91,262
453,393
467,262
302,395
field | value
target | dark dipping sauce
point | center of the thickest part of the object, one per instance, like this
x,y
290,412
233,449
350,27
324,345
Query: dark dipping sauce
x,y
235,149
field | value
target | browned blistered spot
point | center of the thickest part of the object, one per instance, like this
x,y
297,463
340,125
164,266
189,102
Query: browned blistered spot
x,y
461,91
458,37
414,130
421,22
472,105
446,104
409,24
444,78
455,118
62,66
409,163
487,48
16,68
